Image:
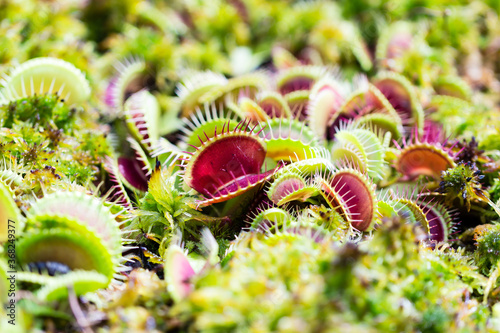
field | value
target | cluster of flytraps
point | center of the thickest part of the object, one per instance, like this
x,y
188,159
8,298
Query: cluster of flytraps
x,y
307,148
69,237
309,135
303,149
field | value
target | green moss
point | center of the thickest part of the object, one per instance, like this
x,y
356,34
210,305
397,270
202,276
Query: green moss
x,y
463,182
488,248
55,145
434,320
389,283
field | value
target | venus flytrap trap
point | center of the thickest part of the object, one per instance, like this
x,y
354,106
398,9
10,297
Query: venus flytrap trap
x,y
142,112
46,76
290,187
420,157
326,98
287,140
239,154
438,221
194,85
273,104
351,194
268,218
129,72
361,146
403,97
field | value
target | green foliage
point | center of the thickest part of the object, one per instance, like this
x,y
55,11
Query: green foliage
x,y
38,111
488,248
329,219
463,182
140,301
494,190
166,209
53,144
389,283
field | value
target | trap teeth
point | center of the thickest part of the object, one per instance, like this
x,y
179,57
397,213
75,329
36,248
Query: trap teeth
x,y
273,104
80,282
269,218
72,229
288,140
352,194
402,95
285,187
46,76
125,82
326,98
209,122
422,158
223,158
360,146
194,86
75,249
142,113
299,78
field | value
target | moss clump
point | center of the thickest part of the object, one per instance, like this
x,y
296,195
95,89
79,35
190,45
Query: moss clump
x,y
390,283
488,247
53,145
463,182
